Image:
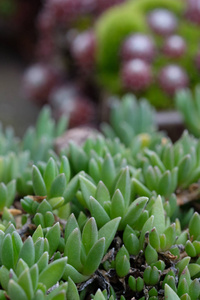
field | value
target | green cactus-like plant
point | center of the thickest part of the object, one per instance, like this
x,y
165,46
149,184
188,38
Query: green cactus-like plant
x,y
121,226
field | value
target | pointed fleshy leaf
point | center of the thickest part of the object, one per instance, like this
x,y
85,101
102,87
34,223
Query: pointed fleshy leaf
x,y
15,291
7,253
53,237
194,226
34,274
117,205
27,252
183,287
39,248
184,262
73,249
73,274
148,226
20,267
154,239
89,235
108,171
50,173
134,211
53,272
71,189
194,289
11,191
94,257
108,231
25,282
124,185
4,277
99,295
170,234
58,186
194,269
42,263
122,266
159,215
170,294
72,292
70,226
151,255
38,233
88,189
17,245
164,186
65,168
102,193
140,189
186,274
38,182
98,212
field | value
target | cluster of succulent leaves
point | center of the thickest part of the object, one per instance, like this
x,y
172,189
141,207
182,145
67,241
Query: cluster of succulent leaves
x,y
111,33
114,218
188,103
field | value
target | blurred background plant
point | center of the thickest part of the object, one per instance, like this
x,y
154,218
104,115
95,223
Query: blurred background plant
x,y
84,54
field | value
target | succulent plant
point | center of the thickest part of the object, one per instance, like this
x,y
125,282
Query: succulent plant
x,y
115,218
188,105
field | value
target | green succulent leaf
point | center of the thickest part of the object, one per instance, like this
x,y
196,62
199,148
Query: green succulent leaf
x,y
70,226
53,237
102,193
25,282
42,263
38,233
53,272
73,249
134,211
154,239
140,188
151,254
72,292
108,171
194,226
183,287
159,215
58,186
34,274
50,173
89,235
117,205
124,185
170,294
182,264
27,252
194,289
71,272
7,253
71,189
194,269
4,277
15,291
98,212
38,182
88,189
94,257
108,231
65,168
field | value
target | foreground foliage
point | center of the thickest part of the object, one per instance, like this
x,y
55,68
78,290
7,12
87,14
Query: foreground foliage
x,y
115,218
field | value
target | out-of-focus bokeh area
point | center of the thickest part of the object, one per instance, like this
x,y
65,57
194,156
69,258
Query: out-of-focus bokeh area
x,y
75,55
18,36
